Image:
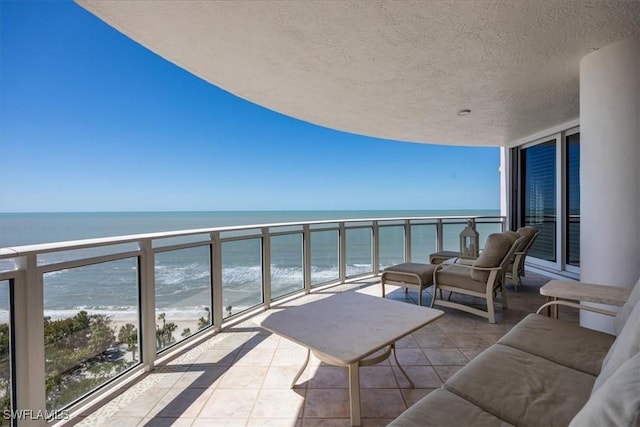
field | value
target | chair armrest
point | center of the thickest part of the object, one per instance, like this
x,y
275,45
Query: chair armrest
x,y
576,305
473,267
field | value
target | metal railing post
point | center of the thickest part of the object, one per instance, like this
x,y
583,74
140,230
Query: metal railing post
x,y
306,257
266,267
29,351
147,304
342,255
407,240
216,281
375,248
439,235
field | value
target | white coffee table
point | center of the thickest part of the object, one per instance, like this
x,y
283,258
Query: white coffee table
x,y
343,329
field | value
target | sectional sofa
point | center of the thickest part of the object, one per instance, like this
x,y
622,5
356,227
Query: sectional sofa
x,y
544,372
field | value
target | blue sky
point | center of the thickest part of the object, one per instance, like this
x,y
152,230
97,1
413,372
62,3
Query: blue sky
x,y
91,121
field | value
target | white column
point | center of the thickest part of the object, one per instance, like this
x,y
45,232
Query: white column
x,y
610,169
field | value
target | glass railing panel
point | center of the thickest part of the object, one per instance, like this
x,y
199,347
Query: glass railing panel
x,y
248,233
5,352
451,235
183,294
423,242
324,226
484,229
91,328
7,265
286,264
391,243
75,254
285,229
241,275
359,251
181,240
325,257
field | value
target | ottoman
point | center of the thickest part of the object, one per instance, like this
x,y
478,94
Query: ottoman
x,y
409,275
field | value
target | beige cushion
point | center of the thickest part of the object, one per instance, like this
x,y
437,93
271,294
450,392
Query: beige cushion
x,y
627,345
460,277
495,249
527,232
626,309
424,271
616,402
561,342
441,408
521,388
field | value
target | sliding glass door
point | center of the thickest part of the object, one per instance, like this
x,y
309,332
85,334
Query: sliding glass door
x,y
546,184
539,197
572,144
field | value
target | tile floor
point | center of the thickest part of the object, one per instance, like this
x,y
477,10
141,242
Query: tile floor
x,y
241,376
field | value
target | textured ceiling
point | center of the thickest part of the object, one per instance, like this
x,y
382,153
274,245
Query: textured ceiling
x,y
392,69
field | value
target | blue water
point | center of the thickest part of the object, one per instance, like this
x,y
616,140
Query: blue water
x,y
182,277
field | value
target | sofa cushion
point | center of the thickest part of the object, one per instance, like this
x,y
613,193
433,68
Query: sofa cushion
x,y
521,388
495,249
561,342
424,271
627,345
626,309
443,408
616,402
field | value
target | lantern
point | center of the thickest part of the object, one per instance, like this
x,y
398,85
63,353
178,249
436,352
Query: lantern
x,y
469,241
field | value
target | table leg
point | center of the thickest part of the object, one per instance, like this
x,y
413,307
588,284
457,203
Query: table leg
x,y
393,349
555,311
306,362
354,393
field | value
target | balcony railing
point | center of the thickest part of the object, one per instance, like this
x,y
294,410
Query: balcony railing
x,y
79,317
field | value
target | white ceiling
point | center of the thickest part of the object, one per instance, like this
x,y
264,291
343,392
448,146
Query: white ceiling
x,y
390,69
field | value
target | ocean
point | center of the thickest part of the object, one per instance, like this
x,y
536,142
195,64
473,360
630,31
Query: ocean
x,y
182,276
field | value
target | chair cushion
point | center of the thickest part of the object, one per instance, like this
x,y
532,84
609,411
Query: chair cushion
x,y
561,342
521,388
616,402
441,408
495,249
627,345
527,232
626,309
424,271
460,277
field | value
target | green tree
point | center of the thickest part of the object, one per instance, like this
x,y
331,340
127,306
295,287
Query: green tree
x,y
205,321
164,334
129,335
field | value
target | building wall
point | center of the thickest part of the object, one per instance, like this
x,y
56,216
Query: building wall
x,y
610,169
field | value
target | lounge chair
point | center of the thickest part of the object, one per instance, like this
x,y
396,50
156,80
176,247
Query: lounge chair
x,y
515,268
480,279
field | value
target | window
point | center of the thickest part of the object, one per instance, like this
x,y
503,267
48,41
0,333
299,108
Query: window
x,y
545,185
538,168
573,199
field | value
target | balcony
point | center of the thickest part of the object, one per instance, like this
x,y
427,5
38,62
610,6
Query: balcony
x,y
171,354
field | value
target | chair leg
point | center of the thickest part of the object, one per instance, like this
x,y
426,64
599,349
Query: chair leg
x,y
490,311
504,297
433,295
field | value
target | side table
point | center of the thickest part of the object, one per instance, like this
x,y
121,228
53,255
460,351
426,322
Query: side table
x,y
579,291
